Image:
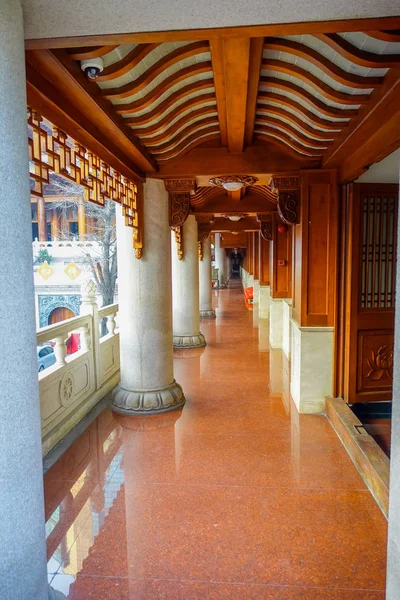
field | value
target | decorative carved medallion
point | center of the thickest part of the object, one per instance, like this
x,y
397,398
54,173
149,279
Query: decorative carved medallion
x,y
288,206
179,207
67,389
285,183
179,240
200,250
380,363
226,180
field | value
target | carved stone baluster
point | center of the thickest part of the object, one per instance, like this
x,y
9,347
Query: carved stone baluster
x,y
111,324
85,338
60,351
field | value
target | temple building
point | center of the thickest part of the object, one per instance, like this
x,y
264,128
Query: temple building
x,y
200,373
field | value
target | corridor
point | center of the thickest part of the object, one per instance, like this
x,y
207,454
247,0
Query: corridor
x,y
237,496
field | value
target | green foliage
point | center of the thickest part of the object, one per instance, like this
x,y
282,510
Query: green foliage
x,y
43,255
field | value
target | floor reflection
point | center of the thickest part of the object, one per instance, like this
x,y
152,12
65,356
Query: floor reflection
x,y
236,496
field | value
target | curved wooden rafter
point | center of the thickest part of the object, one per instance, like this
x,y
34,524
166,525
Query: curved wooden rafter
x,y
166,121
312,117
130,61
161,65
265,132
324,89
357,56
317,59
168,83
201,139
158,110
90,52
178,125
270,109
325,109
292,132
194,129
174,139
384,36
264,191
203,194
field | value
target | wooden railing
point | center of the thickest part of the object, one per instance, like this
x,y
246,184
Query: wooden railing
x,y
76,382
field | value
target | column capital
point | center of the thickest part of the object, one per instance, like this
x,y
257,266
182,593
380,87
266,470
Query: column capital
x,y
288,188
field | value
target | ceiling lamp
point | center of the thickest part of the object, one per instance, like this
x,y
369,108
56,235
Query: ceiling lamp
x,y
234,232
234,218
232,183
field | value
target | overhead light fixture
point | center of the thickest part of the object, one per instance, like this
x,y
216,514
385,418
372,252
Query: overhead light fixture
x,y
234,232
232,183
234,218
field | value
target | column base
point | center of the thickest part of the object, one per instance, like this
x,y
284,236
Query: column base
x,y
275,323
264,301
286,327
140,402
207,314
311,367
189,341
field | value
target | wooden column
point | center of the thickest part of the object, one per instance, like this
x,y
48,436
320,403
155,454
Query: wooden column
x,y
55,225
264,261
41,217
315,251
81,219
250,252
280,261
256,261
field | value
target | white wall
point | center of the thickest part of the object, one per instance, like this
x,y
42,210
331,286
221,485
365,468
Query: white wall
x,y
53,18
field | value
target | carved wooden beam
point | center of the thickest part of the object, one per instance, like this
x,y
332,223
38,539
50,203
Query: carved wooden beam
x,y
288,197
179,199
265,226
203,231
179,241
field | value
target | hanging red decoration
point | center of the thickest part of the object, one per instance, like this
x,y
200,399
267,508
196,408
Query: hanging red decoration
x,y
282,228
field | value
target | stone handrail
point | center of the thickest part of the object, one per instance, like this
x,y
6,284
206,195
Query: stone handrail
x,y
76,382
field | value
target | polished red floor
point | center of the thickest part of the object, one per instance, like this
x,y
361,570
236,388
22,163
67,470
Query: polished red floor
x,y
235,497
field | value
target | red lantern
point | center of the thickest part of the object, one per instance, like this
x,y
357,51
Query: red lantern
x,y
282,228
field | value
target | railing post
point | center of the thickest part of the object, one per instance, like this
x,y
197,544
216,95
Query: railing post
x,y
60,351
89,307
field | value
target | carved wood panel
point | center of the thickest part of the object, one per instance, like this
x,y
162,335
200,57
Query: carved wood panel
x,y
366,329
179,208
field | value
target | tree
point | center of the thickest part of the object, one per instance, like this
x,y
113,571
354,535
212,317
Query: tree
x,y
100,228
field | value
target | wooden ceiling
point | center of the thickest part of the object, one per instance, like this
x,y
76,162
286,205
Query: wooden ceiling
x,y
225,104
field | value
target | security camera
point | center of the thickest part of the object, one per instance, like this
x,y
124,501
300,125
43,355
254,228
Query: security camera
x,y
92,67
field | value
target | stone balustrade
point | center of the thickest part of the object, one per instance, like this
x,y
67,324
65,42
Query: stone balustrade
x,y
76,382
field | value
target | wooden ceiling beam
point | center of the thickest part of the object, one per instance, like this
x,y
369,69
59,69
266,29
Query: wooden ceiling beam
x,y
367,25
71,85
127,63
271,109
292,131
383,103
168,133
256,51
236,54
90,52
373,138
210,132
255,159
217,59
254,203
176,139
385,36
245,224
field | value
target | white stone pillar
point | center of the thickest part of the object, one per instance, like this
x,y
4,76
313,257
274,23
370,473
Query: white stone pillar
x,y
185,289
206,307
393,565
256,292
220,260
311,367
145,312
275,323
22,533
286,327
264,301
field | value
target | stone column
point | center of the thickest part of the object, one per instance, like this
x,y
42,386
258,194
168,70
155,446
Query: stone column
x,y
22,533
41,217
145,312
185,289
393,565
206,307
220,260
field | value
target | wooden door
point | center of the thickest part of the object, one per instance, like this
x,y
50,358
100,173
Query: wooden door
x,y
370,269
60,314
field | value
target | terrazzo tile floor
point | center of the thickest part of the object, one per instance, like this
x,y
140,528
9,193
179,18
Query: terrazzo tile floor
x,y
234,497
